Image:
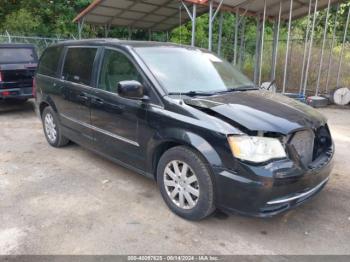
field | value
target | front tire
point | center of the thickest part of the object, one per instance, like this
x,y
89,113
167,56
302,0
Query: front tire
x,y
186,183
52,129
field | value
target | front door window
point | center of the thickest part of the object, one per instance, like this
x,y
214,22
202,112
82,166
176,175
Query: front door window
x,y
116,67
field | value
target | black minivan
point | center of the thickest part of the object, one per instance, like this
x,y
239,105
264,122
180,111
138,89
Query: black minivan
x,y
188,119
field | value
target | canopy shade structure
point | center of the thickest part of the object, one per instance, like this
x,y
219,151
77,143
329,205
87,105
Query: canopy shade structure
x,y
164,15
156,15
256,7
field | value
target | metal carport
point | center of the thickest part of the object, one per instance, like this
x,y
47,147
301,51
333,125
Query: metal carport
x,y
164,15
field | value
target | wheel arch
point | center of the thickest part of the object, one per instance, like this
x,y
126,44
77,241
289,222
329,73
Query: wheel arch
x,y
45,103
191,140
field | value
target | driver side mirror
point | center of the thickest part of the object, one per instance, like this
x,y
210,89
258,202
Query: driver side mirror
x,y
132,90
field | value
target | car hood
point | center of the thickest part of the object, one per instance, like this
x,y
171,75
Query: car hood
x,y
260,111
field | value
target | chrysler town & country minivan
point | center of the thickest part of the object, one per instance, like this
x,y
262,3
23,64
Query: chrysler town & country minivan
x,y
187,119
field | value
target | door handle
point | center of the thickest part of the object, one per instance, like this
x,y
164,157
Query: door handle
x,y
83,97
98,101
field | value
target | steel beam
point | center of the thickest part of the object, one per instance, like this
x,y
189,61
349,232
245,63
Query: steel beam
x,y
322,49
221,21
107,28
330,59
275,44
194,17
236,38
262,44
80,27
9,39
210,41
287,48
305,47
257,51
212,16
343,48
129,33
149,35
242,45
310,48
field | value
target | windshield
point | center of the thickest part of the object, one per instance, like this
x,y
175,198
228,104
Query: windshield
x,y
17,55
184,70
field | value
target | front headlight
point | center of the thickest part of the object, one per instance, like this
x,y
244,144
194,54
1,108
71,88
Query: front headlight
x,y
256,149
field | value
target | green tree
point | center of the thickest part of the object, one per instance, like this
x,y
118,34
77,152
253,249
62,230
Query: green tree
x,y
28,22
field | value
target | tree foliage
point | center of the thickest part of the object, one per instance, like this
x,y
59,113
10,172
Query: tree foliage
x,y
54,18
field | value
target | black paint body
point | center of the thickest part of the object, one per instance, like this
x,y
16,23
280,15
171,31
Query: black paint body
x,y
135,133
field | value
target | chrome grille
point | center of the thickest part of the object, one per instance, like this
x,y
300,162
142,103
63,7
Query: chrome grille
x,y
303,143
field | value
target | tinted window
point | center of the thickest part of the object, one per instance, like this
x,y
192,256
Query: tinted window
x,y
116,67
17,55
79,64
49,61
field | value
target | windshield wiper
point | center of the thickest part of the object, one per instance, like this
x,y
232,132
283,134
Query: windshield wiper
x,y
191,93
240,89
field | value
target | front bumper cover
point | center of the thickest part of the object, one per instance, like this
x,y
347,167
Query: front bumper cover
x,y
270,189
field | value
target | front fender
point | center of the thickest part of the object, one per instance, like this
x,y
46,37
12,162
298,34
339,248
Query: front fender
x,y
182,137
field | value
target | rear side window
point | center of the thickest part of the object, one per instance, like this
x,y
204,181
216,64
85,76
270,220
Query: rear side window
x,y
79,64
49,61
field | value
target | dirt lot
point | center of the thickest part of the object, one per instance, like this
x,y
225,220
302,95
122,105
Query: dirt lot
x,y
71,201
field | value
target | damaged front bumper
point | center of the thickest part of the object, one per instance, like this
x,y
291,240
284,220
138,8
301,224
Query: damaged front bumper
x,y
273,188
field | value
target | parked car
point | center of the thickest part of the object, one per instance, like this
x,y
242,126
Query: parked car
x,y
188,119
18,63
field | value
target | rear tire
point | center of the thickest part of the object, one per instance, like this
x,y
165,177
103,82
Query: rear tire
x,y
186,183
52,129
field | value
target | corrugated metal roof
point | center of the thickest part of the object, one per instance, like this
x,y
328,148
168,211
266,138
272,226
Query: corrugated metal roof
x,y
162,15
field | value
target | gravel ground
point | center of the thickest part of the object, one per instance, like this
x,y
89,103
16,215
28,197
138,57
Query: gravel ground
x,y
71,201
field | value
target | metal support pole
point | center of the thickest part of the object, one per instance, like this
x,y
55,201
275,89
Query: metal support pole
x,y
322,49
310,48
287,48
242,46
212,16
257,52
129,33
210,25
276,35
9,39
236,38
80,27
262,44
149,35
107,28
194,16
305,47
332,47
221,21
343,47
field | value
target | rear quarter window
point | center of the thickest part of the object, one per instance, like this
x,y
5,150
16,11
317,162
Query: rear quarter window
x,y
49,61
79,64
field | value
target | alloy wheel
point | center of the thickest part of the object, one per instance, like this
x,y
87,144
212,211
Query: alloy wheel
x,y
181,184
50,128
